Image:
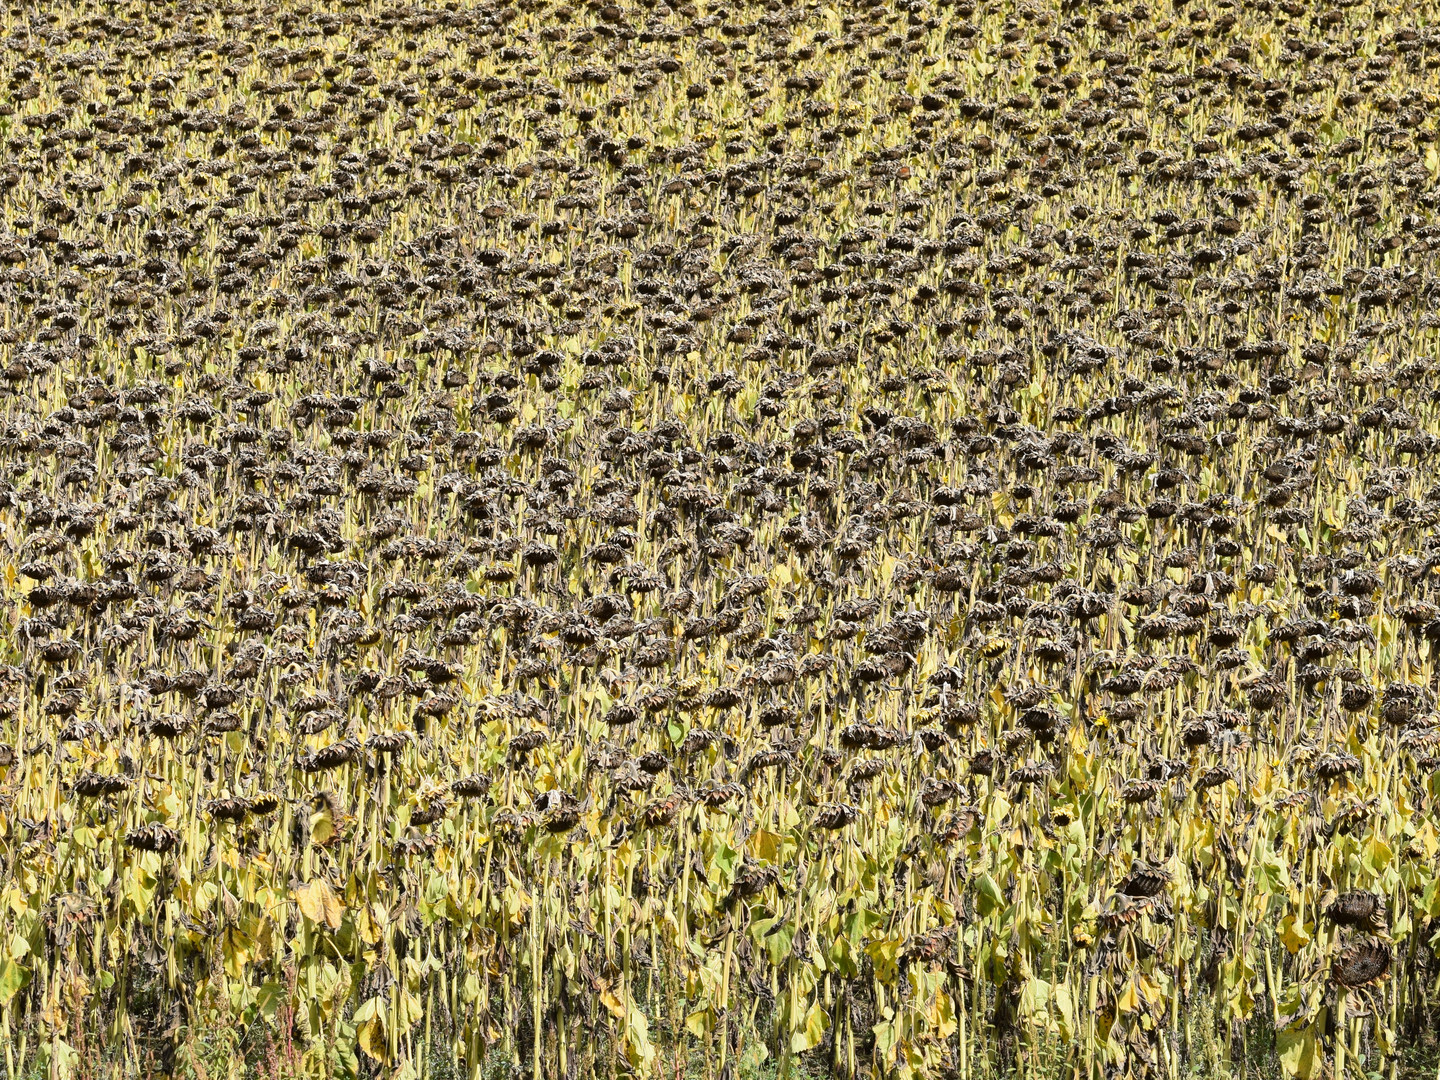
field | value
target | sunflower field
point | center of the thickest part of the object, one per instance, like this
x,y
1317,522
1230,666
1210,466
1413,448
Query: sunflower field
x,y
757,538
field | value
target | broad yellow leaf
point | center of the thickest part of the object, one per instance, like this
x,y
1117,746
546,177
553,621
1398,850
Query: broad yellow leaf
x,y
811,1031
611,1001
13,979
1297,1049
371,1038
319,904
638,1047
322,827
941,1015
700,1022
1293,937
370,1028
1129,1000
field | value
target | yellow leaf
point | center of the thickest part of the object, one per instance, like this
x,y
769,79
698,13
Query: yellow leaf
x,y
1376,855
318,903
769,846
322,827
235,950
941,1015
609,999
1292,936
811,1031
365,926
1129,1000
1151,990
1065,1006
370,1028
410,1010
13,979
371,1037
1035,1001
884,952
1299,1054
700,1023
638,1047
